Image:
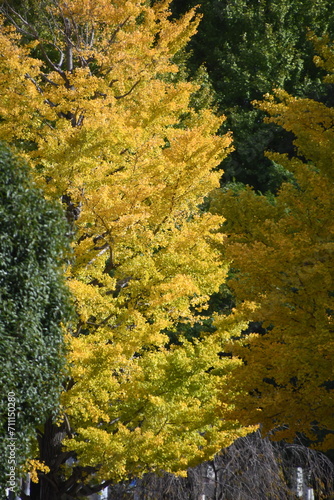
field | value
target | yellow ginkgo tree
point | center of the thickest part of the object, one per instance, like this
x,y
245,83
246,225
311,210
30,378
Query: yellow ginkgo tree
x,y
282,260
91,97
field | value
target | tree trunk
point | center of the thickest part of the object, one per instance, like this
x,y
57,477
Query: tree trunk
x,y
49,487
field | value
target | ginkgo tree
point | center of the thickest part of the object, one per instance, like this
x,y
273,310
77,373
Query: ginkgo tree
x,y
282,259
91,97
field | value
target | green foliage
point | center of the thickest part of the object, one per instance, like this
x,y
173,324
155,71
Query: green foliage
x,y
33,304
251,137
249,48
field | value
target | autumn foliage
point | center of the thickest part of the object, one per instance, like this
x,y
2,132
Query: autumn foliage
x,y
282,260
95,104
93,97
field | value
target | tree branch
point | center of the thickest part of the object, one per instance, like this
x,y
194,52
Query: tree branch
x,y
129,92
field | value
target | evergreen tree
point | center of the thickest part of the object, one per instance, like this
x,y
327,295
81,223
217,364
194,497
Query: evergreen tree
x,y
33,307
249,48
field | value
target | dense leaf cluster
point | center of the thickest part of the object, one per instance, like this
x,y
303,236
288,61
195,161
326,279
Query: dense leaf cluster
x,y
249,48
33,304
133,150
100,105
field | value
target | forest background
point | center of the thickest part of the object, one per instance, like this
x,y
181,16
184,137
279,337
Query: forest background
x,y
203,307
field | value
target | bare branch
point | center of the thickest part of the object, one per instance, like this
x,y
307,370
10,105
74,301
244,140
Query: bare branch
x,y
61,60
28,77
119,27
104,250
129,92
92,38
6,8
46,79
69,45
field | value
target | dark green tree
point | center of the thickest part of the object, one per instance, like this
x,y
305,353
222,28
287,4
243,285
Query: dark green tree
x,y
249,48
34,303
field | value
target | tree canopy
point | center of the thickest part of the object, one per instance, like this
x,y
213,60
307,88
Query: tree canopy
x,y
106,123
249,48
95,98
282,261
